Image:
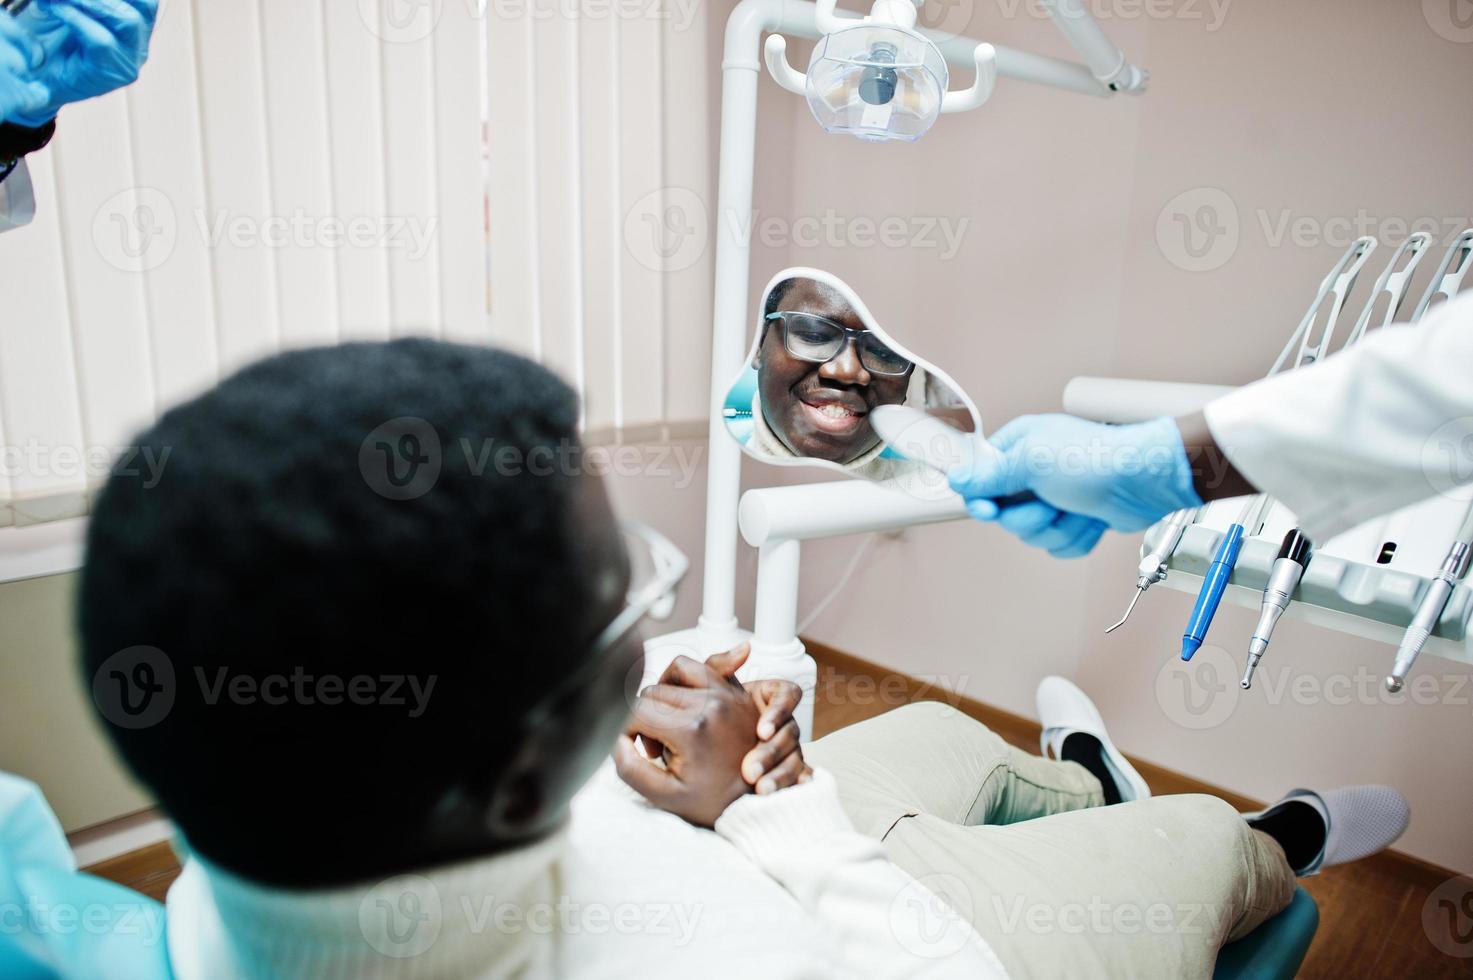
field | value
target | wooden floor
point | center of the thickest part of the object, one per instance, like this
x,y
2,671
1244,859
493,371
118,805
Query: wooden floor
x,y
150,870
1370,912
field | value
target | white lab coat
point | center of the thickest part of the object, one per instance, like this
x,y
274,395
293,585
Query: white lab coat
x,y
17,200
1372,429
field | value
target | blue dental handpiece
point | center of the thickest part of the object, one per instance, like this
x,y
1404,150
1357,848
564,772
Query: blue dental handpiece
x,y
1214,583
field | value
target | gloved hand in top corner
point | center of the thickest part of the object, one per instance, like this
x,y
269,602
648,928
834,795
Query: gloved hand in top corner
x,y
1076,479
19,53
91,47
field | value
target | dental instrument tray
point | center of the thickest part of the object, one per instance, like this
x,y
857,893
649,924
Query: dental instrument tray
x,y
1355,583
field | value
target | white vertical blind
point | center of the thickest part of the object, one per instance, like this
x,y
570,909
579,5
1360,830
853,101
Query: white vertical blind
x,y
40,407
295,82
299,172
356,135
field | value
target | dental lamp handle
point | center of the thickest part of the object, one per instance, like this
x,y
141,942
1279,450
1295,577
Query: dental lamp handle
x,y
775,53
985,59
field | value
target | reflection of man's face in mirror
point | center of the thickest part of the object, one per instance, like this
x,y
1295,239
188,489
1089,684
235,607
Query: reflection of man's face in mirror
x,y
820,408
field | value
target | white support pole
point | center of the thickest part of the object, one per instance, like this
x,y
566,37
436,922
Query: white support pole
x,y
729,320
776,626
776,649
775,520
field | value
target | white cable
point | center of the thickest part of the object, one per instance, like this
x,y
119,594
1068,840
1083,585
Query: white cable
x,y
823,603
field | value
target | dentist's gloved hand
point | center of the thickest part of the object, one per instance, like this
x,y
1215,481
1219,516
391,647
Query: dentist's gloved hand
x,y
1072,480
92,47
20,93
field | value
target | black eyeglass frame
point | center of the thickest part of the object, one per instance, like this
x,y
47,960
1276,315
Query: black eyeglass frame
x,y
847,335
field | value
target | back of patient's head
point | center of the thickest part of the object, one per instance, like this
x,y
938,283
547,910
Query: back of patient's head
x,y
275,544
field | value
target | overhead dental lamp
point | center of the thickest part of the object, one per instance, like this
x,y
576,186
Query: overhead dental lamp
x,y
878,78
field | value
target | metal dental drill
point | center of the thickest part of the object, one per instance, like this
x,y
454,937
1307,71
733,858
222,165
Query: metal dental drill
x,y
1283,579
1152,568
1429,610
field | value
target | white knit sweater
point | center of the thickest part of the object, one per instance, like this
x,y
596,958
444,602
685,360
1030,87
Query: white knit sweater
x,y
785,888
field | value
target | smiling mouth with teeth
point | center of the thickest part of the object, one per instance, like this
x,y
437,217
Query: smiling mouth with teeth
x,y
834,418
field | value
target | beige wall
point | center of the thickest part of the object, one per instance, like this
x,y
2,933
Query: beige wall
x,y
1312,109
48,732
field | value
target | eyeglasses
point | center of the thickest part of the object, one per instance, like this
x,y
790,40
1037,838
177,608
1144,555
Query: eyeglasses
x,y
817,339
656,567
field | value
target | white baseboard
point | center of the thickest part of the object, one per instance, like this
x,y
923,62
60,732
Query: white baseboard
x,y
115,838
41,549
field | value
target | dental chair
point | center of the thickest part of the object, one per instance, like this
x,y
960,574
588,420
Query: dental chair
x,y
1275,950
58,922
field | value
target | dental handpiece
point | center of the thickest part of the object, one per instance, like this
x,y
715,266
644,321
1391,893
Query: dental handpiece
x,y
1152,568
1429,610
1283,579
1215,582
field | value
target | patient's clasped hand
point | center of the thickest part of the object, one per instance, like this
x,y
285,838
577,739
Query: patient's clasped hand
x,y
488,835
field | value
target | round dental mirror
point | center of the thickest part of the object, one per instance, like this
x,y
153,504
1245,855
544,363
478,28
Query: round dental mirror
x,y
824,384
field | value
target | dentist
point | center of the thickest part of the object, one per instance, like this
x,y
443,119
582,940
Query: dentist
x,y
1383,425
63,51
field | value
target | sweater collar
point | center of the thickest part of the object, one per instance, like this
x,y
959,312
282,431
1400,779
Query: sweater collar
x,y
488,917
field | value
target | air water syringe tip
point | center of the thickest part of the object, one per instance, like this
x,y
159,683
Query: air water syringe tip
x,y
1189,646
1140,590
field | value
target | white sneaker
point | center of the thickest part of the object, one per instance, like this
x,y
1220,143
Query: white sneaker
x,y
1062,709
1359,821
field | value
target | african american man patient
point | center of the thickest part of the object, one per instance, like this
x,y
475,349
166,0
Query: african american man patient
x,y
447,806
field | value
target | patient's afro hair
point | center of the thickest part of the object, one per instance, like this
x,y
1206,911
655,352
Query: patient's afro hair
x,y
338,511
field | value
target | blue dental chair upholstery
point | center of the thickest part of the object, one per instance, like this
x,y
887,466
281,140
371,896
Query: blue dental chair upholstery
x,y
56,921
1275,949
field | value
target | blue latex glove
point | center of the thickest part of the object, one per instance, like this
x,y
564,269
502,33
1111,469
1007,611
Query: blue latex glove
x,y
20,93
92,47
1083,477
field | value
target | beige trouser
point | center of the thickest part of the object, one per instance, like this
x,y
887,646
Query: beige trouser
x,y
1058,884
